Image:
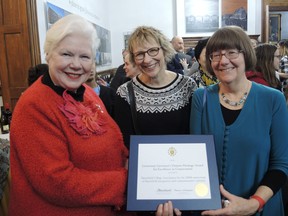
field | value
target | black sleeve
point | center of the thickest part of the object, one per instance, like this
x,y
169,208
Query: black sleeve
x,y
274,179
123,117
107,95
175,66
119,78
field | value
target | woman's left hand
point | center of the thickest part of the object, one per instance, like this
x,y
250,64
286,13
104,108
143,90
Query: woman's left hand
x,y
235,205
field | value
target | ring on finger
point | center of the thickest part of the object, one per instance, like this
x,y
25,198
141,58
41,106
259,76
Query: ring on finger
x,y
226,203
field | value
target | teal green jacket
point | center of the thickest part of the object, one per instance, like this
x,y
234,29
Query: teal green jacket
x,y
256,142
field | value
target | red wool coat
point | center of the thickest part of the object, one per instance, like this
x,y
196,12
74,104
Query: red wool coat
x,y
57,171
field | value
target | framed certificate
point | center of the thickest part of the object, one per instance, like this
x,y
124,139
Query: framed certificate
x,y
180,168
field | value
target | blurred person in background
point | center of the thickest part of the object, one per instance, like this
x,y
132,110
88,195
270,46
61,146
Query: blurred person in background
x,y
283,51
202,77
268,59
106,94
131,69
181,62
120,76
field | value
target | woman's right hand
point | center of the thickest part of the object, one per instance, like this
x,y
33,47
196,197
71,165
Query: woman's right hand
x,y
166,209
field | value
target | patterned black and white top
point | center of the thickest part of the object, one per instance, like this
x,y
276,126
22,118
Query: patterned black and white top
x,y
164,110
4,164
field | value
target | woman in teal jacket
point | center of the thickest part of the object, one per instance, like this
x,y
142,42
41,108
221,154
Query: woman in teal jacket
x,y
249,122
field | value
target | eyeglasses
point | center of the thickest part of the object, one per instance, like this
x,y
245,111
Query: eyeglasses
x,y
151,52
230,54
277,56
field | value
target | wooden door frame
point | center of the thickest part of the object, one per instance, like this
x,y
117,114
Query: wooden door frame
x,y
33,31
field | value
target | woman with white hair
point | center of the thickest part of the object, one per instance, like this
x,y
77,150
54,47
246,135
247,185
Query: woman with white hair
x,y
67,153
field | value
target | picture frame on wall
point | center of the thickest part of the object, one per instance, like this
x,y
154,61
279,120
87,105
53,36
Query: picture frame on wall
x,y
234,12
274,27
202,18
196,17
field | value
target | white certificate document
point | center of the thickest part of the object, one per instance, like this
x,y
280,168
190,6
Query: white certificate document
x,y
172,171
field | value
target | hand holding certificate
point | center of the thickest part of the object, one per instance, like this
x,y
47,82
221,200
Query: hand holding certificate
x,y
181,168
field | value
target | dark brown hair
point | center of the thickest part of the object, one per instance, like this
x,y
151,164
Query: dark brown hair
x,y
265,63
231,37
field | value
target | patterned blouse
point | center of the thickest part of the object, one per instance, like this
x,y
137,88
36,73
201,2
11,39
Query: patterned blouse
x,y
202,79
284,64
4,163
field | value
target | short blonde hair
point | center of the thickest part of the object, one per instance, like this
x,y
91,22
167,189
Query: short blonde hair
x,y
144,34
70,24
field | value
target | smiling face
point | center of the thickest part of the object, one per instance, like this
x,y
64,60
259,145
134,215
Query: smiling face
x,y
232,49
150,66
71,61
229,70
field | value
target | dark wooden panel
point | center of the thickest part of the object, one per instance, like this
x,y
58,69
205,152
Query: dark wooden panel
x,y
15,49
277,2
6,29
33,32
16,66
1,14
278,8
12,12
17,91
190,42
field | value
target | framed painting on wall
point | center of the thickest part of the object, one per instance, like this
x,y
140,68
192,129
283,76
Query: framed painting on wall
x,y
196,17
201,18
274,27
234,12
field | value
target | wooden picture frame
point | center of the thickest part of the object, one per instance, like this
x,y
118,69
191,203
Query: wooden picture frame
x,y
274,27
202,18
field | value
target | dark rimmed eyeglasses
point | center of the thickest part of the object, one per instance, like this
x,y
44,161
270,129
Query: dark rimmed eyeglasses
x,y
151,52
230,54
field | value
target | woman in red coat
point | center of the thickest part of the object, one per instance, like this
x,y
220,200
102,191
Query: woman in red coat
x,y
67,154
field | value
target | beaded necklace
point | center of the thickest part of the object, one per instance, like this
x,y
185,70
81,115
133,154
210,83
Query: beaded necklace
x,y
234,103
